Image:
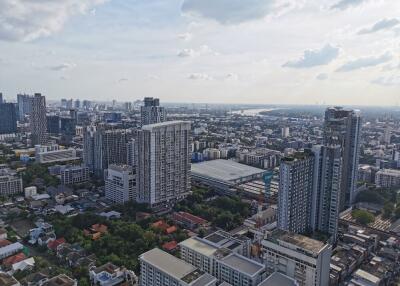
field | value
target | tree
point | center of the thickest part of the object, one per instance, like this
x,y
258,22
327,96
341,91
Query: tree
x,y
388,209
363,217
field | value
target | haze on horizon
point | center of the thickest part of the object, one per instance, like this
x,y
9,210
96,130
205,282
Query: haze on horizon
x,y
218,51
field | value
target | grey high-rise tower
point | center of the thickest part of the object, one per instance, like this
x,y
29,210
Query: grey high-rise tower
x,y
38,120
326,189
296,192
152,112
8,118
24,105
163,163
343,127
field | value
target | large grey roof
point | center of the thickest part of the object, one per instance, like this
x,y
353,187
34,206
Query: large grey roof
x,y
243,264
278,279
224,170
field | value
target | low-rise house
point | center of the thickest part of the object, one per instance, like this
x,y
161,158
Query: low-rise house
x,y
110,275
3,233
188,220
10,249
8,280
96,231
26,264
52,245
61,280
170,246
9,261
35,279
74,255
42,234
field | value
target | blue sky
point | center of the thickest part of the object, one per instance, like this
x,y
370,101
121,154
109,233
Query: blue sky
x,y
233,51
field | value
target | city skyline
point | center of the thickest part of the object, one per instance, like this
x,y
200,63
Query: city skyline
x,y
203,51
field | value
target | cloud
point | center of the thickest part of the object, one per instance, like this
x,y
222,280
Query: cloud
x,y
312,58
392,80
122,80
199,76
27,20
237,11
63,67
203,50
185,36
322,76
345,4
383,24
365,62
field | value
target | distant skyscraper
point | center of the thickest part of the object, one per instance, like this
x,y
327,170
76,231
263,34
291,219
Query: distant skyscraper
x,y
343,128
152,112
77,104
131,146
53,124
295,192
326,190
163,163
24,105
88,147
8,118
1,98
38,122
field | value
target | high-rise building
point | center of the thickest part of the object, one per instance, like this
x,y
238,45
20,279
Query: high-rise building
x,y
131,146
304,259
53,124
326,189
24,105
343,127
295,192
10,183
1,98
163,163
8,118
103,147
119,183
152,112
38,122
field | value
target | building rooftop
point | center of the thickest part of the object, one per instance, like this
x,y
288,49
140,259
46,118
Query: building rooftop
x,y
224,170
175,267
389,172
278,279
60,280
243,264
7,280
163,124
298,240
199,246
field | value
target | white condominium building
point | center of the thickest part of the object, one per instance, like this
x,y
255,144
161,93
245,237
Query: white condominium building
x,y
304,259
119,184
163,163
387,178
158,268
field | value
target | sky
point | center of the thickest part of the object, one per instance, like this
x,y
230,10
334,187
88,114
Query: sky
x,y
342,52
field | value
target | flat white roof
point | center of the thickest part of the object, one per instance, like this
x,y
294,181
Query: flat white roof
x,y
167,263
242,264
199,246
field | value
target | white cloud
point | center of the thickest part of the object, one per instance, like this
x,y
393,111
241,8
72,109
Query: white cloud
x,y
383,24
200,76
237,11
345,4
392,80
185,36
312,58
322,76
203,50
26,20
63,67
365,62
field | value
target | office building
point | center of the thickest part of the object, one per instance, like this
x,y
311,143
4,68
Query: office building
x,y
53,124
54,153
304,259
8,118
295,192
285,132
10,183
119,183
387,178
1,98
163,163
24,106
326,189
152,112
131,147
343,127
158,268
38,122
74,174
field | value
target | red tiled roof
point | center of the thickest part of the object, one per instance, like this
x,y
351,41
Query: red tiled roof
x,y
99,228
55,243
171,229
4,242
190,217
160,224
14,259
168,246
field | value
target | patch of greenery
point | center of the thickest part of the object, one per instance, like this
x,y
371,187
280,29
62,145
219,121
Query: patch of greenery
x,y
363,217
